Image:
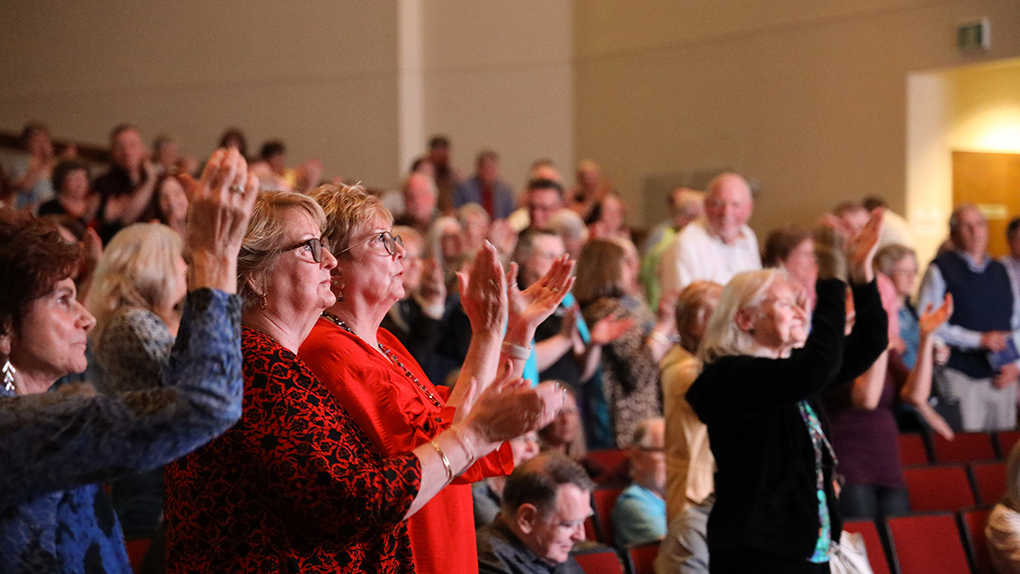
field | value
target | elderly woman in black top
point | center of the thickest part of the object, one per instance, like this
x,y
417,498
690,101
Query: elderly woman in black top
x,y
776,509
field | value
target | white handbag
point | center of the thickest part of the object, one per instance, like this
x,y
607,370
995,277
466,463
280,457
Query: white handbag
x,y
849,556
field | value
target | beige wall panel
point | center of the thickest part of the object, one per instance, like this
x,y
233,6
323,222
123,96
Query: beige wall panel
x,y
499,75
319,74
814,109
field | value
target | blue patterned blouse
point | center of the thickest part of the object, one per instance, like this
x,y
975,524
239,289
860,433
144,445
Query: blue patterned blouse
x,y
57,448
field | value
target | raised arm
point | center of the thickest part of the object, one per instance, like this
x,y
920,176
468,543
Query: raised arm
x,y
55,441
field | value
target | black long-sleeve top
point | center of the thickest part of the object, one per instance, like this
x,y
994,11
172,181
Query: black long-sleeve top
x,y
765,481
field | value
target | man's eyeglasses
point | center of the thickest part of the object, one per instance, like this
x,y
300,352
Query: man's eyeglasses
x,y
314,244
389,241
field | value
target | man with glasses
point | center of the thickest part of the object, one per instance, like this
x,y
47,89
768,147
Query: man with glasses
x,y
639,515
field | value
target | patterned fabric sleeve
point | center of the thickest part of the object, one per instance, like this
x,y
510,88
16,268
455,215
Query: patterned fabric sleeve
x,y
135,345
60,440
628,356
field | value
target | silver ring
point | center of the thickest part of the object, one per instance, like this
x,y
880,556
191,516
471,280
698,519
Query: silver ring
x,y
236,189
555,289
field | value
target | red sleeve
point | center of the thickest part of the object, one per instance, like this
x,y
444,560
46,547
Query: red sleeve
x,y
384,402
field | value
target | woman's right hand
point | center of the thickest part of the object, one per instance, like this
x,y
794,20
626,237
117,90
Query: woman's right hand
x,y
483,292
219,206
861,249
510,408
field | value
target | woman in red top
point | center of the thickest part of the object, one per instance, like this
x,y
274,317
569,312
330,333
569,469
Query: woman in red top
x,y
383,387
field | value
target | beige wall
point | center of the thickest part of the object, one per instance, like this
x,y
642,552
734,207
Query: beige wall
x,y
808,98
319,74
498,75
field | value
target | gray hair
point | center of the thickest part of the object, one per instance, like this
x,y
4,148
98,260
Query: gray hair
x,y
723,337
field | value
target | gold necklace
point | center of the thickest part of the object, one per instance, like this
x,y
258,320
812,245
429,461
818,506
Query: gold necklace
x,y
389,355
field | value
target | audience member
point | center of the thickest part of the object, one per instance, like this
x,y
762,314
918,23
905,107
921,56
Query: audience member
x,y
30,174
233,138
487,494
485,188
639,515
895,229
853,216
565,434
606,284
59,448
1003,529
74,193
757,395
982,369
166,155
863,428
445,175
685,206
417,319
610,219
380,384
792,249
445,243
718,247
544,197
589,191
271,167
126,189
474,222
545,503
137,296
1012,260
170,205
570,227
419,203
689,462
684,550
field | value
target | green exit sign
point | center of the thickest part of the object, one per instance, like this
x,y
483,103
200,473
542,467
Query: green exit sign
x,y
973,36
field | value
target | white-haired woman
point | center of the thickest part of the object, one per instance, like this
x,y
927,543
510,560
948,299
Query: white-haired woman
x,y
137,296
776,509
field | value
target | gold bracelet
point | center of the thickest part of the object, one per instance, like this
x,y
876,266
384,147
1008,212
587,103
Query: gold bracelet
x,y
446,461
465,443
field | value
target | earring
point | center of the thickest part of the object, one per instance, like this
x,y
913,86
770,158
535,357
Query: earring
x,y
9,371
340,297
263,301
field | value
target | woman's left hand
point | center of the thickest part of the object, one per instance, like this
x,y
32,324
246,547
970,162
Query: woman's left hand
x,y
530,307
483,292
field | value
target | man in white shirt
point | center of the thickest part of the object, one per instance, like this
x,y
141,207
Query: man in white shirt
x,y
718,247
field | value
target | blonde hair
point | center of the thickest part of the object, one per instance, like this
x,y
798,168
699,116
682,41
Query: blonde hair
x,y
348,209
600,271
691,306
724,337
138,269
263,241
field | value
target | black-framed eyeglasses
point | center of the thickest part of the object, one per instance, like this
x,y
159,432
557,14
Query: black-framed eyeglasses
x,y
314,244
389,241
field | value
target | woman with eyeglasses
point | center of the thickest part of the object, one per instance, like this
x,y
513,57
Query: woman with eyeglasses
x,y
384,388
296,485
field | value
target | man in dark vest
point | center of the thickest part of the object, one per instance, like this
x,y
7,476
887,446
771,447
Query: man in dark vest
x,y
982,370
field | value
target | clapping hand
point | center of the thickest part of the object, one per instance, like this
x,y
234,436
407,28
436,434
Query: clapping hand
x,y
530,307
483,291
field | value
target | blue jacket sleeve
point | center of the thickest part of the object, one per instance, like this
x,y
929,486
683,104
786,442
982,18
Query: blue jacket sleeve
x,y
61,440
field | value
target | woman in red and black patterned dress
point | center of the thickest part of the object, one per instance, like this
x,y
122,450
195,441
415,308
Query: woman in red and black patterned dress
x,y
296,486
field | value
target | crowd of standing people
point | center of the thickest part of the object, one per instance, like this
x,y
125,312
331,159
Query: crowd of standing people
x,y
363,380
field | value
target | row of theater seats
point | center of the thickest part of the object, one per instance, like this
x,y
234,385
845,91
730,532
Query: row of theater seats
x,y
926,543
923,449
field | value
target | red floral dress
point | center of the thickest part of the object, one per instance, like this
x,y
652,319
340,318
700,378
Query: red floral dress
x,y
295,486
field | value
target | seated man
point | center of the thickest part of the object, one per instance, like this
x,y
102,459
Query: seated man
x,y
545,503
639,515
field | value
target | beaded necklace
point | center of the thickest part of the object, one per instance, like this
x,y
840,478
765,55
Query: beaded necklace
x,y
389,355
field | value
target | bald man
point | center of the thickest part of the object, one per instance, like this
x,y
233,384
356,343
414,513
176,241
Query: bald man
x,y
717,247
